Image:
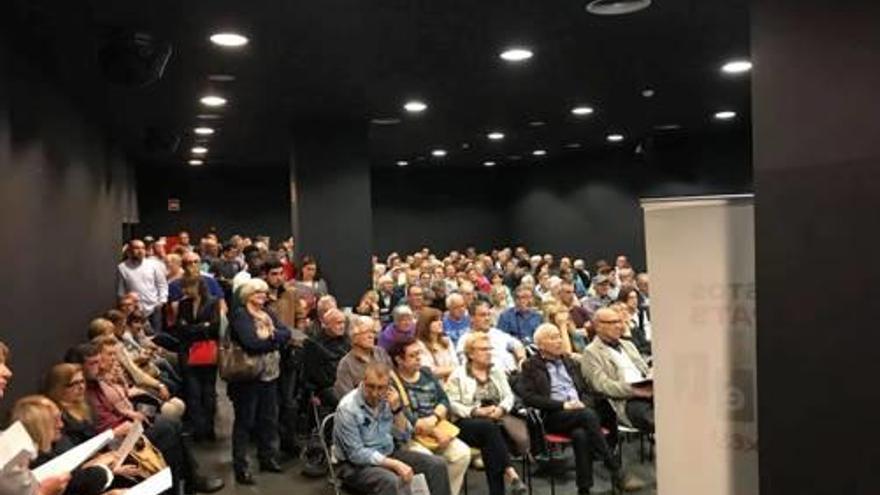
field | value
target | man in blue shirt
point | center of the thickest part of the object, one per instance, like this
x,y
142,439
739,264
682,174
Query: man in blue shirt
x,y
370,424
456,321
521,320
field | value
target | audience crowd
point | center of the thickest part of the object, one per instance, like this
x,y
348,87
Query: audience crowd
x,y
445,362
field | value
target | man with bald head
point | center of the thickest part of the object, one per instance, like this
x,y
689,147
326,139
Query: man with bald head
x,y
145,277
321,356
553,383
615,369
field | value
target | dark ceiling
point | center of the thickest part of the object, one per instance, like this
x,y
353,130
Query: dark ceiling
x,y
345,62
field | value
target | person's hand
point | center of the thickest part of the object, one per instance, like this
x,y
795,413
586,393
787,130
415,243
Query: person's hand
x,y
643,392
426,424
403,470
164,394
393,398
442,439
572,405
54,485
105,459
129,471
137,416
497,412
122,429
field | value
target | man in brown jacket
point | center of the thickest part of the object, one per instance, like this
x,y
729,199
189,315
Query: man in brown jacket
x,y
614,368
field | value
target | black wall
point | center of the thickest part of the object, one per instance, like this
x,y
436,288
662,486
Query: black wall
x,y
233,199
585,205
817,178
64,194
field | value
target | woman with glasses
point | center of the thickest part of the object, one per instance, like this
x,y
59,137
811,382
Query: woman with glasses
x,y
481,400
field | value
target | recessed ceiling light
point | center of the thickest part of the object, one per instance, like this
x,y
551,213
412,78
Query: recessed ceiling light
x,y
736,66
221,78
415,106
213,101
582,110
385,121
196,163
517,54
614,138
725,115
199,150
495,136
439,153
229,40
537,123
402,163
539,152
208,116
489,163
204,131
648,93
465,146
617,7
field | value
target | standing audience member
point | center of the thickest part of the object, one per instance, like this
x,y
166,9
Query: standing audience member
x,y
322,354
368,431
255,402
310,285
146,278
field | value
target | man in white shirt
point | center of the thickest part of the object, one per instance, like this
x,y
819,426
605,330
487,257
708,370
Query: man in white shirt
x,y
145,277
507,351
613,367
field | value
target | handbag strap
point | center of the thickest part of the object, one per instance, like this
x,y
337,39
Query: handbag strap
x,y
401,390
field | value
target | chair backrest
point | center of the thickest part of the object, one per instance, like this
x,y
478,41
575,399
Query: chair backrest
x,y
326,434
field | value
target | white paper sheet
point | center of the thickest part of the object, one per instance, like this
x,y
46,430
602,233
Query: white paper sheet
x,y
153,485
71,459
16,446
134,434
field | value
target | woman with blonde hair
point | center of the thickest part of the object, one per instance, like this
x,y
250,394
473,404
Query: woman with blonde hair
x,y
573,338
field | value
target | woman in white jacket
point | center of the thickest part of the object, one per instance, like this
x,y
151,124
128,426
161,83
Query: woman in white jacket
x,y
481,399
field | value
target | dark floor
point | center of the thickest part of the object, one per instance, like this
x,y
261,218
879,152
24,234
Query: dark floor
x,y
216,459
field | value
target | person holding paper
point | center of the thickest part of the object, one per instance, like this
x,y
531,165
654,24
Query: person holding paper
x,y
369,432
615,369
17,479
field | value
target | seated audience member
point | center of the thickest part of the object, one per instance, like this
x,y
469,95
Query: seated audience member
x,y
401,328
322,354
368,305
255,402
601,297
438,351
573,339
438,288
521,320
42,420
643,285
449,279
582,278
481,400
369,429
498,300
425,406
310,285
498,286
612,366
553,383
198,328
456,321
111,407
415,298
635,319
389,297
507,351
16,478
568,298
363,351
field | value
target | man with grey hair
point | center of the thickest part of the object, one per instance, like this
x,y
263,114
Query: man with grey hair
x,y
389,297
552,383
363,351
321,356
456,321
402,327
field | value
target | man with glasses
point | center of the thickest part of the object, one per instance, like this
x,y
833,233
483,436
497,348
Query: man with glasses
x,y
507,351
368,432
615,369
521,320
191,263
363,351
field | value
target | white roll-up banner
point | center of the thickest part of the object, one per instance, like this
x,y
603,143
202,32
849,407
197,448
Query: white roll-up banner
x,y
701,260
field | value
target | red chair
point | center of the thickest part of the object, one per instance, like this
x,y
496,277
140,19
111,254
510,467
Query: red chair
x,y
557,442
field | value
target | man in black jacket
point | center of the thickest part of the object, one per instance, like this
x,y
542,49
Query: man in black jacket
x,y
322,355
552,383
